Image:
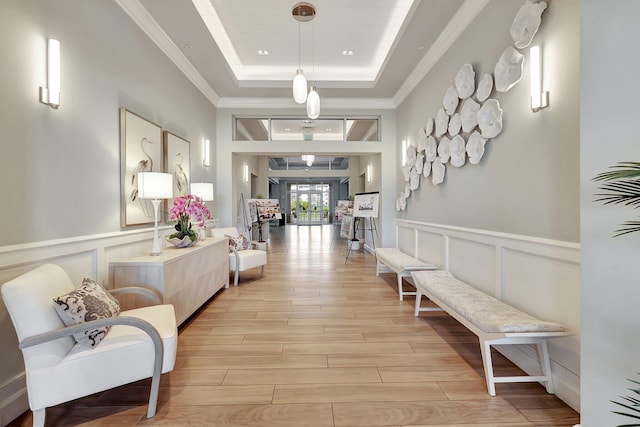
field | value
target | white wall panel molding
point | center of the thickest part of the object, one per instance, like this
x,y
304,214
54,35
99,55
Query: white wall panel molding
x,y
539,276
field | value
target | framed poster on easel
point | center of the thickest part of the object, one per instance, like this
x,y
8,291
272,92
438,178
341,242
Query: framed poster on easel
x,y
365,205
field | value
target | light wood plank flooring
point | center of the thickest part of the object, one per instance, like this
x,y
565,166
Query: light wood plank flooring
x,y
317,342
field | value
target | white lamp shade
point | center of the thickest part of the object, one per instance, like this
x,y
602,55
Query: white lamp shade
x,y
299,87
204,190
313,104
155,185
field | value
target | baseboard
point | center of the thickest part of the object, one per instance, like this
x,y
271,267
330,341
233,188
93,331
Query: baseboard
x,y
13,399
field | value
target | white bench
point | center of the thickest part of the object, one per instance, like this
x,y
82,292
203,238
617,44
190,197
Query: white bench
x,y
400,263
493,321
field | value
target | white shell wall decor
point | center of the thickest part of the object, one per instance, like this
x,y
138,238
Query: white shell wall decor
x,y
442,122
443,149
475,147
508,70
419,163
455,123
457,150
406,172
437,172
407,191
398,204
469,115
428,129
426,169
485,87
450,101
422,140
414,183
431,149
526,23
465,81
403,203
411,155
490,119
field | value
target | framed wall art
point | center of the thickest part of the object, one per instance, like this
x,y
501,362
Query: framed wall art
x,y
140,151
365,205
177,162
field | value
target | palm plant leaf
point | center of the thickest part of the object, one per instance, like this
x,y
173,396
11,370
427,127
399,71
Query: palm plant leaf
x,y
621,192
621,171
622,186
632,404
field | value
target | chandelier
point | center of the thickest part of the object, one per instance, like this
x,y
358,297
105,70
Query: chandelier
x,y
305,12
308,159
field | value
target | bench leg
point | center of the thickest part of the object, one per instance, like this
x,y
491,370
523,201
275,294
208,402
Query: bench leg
x,y
377,268
416,311
400,286
485,348
545,365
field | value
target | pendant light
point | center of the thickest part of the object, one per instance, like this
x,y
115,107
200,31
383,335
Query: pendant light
x,y
313,99
303,12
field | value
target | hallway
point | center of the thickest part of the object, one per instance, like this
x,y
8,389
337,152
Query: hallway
x,y
320,342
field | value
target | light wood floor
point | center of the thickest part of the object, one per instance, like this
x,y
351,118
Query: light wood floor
x,y
317,342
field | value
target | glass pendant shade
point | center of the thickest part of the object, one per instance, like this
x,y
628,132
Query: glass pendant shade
x,y
299,87
313,103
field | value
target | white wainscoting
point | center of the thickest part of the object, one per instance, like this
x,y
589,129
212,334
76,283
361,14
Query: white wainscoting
x,y
86,256
539,276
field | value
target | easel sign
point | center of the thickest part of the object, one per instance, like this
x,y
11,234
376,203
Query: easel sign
x,y
365,205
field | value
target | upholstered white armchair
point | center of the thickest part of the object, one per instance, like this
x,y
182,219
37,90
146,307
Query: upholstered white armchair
x,y
241,260
140,343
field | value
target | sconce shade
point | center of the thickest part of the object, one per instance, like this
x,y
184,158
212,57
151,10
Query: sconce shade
x,y
204,190
299,87
155,185
539,99
50,95
206,159
313,104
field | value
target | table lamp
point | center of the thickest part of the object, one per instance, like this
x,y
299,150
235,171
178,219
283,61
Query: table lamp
x,y
155,186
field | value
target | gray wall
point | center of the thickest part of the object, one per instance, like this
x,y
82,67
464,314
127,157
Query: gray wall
x,y
527,182
61,168
610,288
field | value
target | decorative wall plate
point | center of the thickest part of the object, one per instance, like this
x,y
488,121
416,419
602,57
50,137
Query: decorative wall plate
x,y
485,87
422,139
431,149
426,169
403,203
455,123
419,163
469,114
411,155
526,23
457,150
406,172
442,122
490,119
407,190
438,169
443,149
414,183
508,70
475,147
428,129
450,101
465,81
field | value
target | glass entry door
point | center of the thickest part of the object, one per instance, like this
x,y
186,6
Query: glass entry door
x,y
309,204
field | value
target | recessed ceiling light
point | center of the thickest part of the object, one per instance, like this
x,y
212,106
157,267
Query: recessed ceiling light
x,y
263,52
287,129
347,53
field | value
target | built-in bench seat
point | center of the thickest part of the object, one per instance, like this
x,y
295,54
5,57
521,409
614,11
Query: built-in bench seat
x,y
493,321
400,263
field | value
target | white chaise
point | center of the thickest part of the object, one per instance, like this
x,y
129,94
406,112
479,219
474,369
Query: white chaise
x,y
493,321
400,263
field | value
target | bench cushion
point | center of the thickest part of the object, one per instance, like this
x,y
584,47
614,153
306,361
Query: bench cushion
x,y
398,260
489,314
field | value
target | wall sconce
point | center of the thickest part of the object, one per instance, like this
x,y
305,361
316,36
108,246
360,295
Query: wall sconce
x,y
206,159
369,173
246,172
539,99
50,95
404,152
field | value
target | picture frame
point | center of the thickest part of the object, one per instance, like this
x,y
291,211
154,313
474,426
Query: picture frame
x,y
346,228
140,151
365,205
177,162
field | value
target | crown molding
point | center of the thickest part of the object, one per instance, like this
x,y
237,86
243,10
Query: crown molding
x,y
456,26
152,29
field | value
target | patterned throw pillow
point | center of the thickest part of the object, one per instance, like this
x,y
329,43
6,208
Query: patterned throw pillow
x,y
240,243
91,301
